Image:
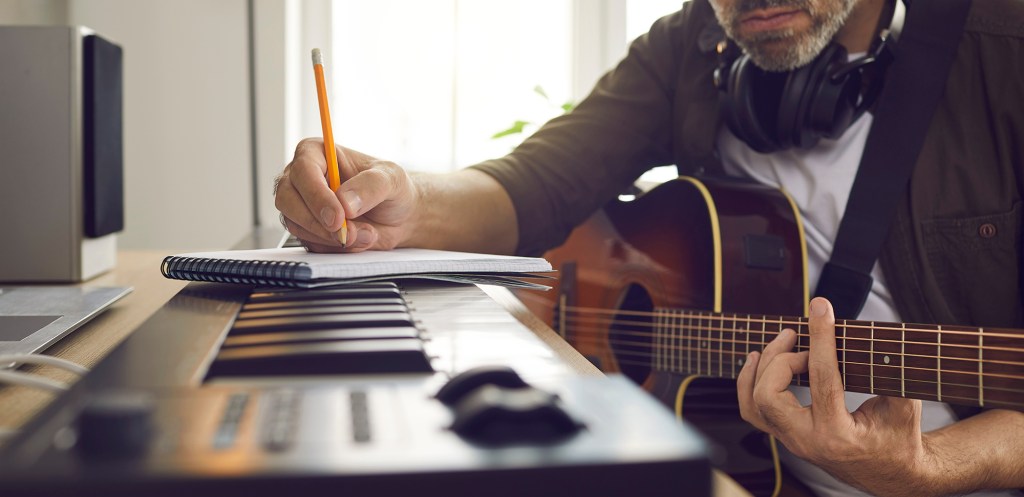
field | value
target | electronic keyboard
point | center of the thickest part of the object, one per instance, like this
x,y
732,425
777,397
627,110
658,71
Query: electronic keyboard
x,y
412,388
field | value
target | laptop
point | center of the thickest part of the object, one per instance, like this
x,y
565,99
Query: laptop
x,y
34,317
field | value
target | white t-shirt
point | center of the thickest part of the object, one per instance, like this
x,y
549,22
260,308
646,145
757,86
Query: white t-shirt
x,y
819,180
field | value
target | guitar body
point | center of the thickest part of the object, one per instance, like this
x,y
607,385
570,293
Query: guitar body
x,y
718,246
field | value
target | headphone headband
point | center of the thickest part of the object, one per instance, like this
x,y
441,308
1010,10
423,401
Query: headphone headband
x,y
773,111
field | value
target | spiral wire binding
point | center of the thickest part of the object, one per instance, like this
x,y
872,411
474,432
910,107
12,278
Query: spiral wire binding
x,y
270,273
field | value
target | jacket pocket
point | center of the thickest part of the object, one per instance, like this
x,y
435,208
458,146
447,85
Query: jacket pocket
x,y
976,263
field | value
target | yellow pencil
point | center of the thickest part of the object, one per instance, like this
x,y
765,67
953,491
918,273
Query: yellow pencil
x,y
333,175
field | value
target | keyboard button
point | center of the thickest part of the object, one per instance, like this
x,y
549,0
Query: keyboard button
x,y
342,357
306,323
363,292
320,311
320,336
297,304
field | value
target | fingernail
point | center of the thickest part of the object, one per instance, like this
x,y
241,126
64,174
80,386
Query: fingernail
x,y
366,238
354,202
818,308
327,216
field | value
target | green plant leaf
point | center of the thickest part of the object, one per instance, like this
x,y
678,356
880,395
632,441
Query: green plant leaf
x,y
516,128
568,106
540,91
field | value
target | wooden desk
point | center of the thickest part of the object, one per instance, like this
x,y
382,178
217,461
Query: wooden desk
x,y
141,270
92,342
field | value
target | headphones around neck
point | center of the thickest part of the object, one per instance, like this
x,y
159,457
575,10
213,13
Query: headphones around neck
x,y
773,111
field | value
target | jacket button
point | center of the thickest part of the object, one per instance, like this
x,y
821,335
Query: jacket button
x,y
987,230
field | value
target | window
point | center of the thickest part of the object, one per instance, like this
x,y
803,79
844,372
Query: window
x,y
427,84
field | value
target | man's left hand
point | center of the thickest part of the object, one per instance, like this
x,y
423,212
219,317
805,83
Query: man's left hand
x,y
878,448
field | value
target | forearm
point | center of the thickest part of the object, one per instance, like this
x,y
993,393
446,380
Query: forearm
x,y
984,451
466,211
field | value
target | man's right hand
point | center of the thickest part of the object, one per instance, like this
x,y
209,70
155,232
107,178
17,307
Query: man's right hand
x,y
377,197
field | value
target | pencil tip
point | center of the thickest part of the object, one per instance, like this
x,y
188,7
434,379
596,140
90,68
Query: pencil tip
x,y
318,58
343,235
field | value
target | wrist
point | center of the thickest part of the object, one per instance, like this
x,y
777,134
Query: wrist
x,y
414,234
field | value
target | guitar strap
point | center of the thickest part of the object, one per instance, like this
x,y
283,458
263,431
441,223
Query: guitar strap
x,y
915,81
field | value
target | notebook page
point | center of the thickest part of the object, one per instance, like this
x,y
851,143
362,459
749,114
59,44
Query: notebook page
x,y
379,263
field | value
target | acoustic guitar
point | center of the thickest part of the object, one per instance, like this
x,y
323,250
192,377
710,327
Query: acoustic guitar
x,y
674,288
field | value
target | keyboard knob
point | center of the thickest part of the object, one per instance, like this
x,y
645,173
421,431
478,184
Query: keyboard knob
x,y
492,415
116,424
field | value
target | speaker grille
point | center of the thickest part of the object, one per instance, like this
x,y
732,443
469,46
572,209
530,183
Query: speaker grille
x,y
103,160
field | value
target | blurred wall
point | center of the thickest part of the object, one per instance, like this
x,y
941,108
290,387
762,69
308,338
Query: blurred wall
x,y
15,12
188,166
186,124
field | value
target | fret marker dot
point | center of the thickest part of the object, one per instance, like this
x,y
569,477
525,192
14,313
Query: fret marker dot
x,y
885,359
741,362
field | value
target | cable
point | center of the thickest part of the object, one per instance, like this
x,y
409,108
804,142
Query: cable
x,y
8,361
28,380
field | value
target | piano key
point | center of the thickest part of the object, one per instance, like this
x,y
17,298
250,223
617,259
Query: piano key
x,y
317,311
306,323
321,336
320,303
353,292
343,357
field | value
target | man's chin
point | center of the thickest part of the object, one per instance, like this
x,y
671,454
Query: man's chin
x,y
778,54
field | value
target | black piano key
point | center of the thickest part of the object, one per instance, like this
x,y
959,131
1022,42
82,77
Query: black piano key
x,y
321,336
266,306
351,292
320,311
307,323
365,285
344,357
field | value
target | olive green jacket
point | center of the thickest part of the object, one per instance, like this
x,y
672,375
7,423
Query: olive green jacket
x,y
954,253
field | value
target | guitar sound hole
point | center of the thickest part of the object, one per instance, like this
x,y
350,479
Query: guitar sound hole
x,y
630,336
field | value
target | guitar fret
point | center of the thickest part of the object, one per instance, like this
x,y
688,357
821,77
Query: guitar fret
x,y
676,343
872,356
657,339
700,339
689,344
981,372
748,338
733,343
845,383
764,331
903,359
659,334
679,340
938,365
666,353
707,343
721,336
797,343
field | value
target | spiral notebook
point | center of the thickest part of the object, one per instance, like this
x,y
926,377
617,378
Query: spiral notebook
x,y
295,267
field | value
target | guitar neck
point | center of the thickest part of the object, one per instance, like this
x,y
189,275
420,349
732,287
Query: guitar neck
x,y
960,365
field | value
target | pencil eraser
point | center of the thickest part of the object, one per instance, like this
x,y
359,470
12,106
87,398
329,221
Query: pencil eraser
x,y
317,57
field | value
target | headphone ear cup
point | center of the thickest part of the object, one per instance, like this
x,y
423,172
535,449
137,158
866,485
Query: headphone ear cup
x,y
834,105
741,106
802,111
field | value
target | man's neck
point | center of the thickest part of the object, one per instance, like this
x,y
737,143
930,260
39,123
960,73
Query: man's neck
x,y
861,27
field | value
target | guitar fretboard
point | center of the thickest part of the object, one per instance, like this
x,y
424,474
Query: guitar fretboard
x,y
956,364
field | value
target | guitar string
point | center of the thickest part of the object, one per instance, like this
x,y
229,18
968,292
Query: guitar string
x,y
879,390
784,320
592,330
595,339
692,327
850,386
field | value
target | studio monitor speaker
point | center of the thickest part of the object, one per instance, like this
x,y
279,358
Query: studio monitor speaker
x,y
61,153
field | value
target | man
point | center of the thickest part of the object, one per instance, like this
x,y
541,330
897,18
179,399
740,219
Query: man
x,y
953,255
